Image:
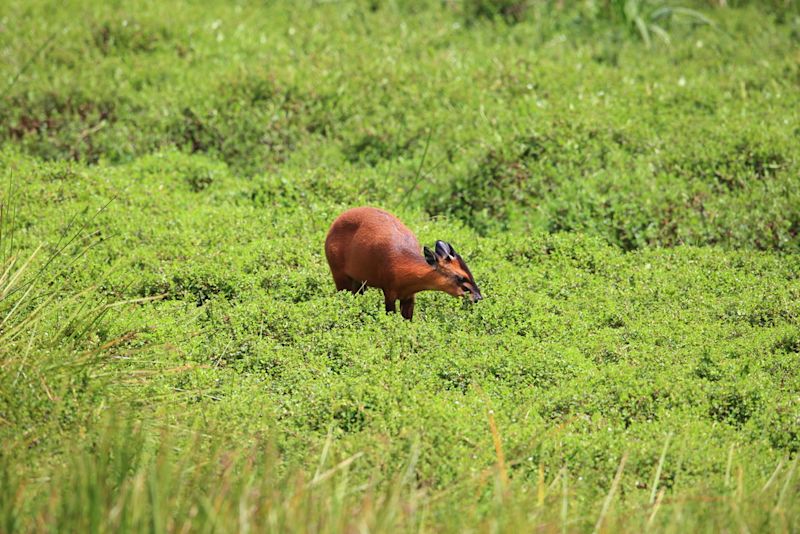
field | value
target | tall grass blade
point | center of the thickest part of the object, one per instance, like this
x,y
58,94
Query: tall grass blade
x,y
418,175
657,476
656,507
774,475
611,492
786,485
564,500
36,53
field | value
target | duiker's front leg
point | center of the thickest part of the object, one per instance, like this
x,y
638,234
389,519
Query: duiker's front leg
x,y
390,301
407,308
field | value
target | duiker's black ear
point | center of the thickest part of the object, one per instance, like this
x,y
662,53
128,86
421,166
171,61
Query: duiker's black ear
x,y
444,250
430,257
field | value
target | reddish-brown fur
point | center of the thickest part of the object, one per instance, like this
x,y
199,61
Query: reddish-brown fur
x,y
368,247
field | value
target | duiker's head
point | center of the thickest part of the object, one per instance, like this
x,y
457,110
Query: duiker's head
x,y
456,278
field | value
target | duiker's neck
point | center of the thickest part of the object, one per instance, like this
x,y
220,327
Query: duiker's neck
x,y
418,275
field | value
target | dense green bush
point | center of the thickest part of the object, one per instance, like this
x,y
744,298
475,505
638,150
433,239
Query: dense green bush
x,y
636,190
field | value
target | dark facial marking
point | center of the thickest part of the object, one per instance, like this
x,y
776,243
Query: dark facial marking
x,y
464,267
474,286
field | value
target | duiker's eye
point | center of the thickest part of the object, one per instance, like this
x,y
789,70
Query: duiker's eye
x,y
461,279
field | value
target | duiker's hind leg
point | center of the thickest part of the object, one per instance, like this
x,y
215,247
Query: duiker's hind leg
x,y
343,282
358,287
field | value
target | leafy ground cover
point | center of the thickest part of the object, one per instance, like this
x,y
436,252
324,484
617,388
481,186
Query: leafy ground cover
x,y
173,355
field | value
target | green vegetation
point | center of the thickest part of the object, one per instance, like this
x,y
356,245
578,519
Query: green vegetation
x,y
621,177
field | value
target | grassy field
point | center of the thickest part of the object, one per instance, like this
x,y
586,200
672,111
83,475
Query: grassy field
x,y
623,178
